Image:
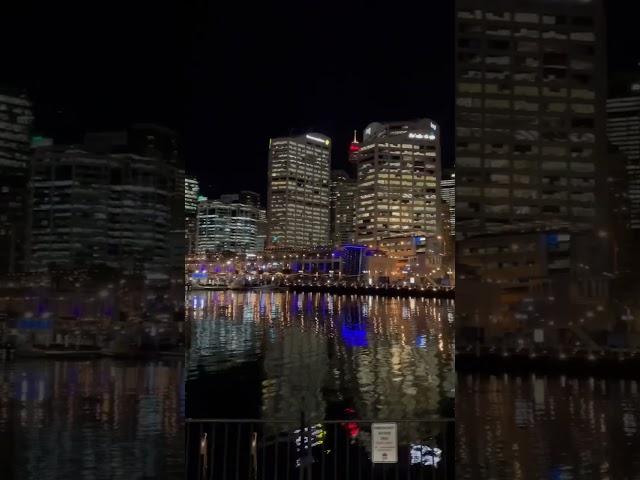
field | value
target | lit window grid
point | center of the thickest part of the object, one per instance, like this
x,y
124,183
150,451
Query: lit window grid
x,y
299,193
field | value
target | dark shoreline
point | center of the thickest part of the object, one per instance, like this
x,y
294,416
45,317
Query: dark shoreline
x,y
94,355
382,292
523,365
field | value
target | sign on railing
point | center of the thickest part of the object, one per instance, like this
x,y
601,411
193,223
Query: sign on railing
x,y
384,440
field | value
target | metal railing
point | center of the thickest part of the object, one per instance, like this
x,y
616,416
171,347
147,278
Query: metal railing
x,y
245,449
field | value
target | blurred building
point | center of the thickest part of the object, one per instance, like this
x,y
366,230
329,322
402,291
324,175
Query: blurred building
x,y
106,203
623,131
398,180
551,277
537,203
15,140
530,115
298,203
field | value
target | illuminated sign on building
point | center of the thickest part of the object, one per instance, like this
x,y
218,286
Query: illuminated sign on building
x,y
421,136
316,139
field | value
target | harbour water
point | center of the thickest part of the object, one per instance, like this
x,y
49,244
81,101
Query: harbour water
x,y
547,427
274,355
91,419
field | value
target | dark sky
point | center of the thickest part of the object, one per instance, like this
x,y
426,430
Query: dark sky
x,y
229,75
271,70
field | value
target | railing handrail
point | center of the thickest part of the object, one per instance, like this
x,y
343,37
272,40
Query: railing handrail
x,y
328,422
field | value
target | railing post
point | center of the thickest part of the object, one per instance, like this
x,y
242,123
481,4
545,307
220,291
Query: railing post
x,y
203,454
253,466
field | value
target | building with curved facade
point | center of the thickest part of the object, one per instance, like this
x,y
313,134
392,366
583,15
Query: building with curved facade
x,y
399,170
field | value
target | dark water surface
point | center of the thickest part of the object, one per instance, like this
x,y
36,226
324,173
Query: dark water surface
x,y
94,419
547,427
273,355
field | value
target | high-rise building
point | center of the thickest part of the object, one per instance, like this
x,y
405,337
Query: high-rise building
x,y
623,131
398,181
191,194
261,233
227,225
15,141
529,114
298,203
342,216
448,195
103,208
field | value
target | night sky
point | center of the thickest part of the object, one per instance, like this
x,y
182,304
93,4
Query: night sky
x,y
230,75
329,67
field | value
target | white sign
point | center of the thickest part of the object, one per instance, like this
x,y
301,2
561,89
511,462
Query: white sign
x,y
384,443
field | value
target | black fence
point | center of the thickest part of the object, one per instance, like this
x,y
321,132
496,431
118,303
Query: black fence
x,y
220,449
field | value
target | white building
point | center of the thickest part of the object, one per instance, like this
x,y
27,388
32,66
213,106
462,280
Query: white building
x,y
224,226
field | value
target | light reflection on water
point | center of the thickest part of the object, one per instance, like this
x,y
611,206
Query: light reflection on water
x,y
551,427
383,357
94,419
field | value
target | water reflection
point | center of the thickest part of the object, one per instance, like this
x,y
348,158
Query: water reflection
x,y
522,427
97,419
280,353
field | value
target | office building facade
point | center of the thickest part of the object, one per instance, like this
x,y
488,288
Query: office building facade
x,y
298,201
398,181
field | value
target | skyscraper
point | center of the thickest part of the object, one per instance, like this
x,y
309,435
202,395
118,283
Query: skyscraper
x,y
298,203
191,194
448,195
15,132
343,196
529,114
399,171
623,131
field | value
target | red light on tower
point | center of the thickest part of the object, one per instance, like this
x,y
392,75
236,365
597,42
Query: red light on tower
x,y
355,146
